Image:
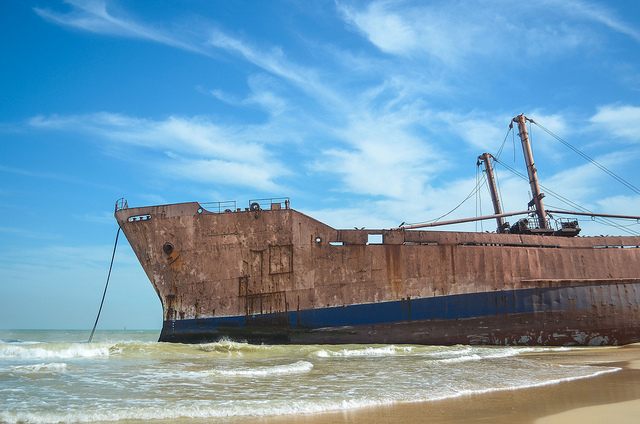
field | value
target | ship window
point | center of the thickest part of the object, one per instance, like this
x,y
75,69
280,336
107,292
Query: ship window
x,y
336,243
137,218
374,239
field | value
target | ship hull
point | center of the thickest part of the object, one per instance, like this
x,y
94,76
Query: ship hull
x,y
278,276
591,315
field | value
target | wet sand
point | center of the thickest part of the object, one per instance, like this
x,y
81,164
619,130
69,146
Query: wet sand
x,y
613,396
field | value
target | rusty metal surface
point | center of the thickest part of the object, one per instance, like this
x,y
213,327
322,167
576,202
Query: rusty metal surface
x,y
269,263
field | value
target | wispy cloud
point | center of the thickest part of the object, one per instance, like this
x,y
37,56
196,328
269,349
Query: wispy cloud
x,y
274,61
192,148
451,31
383,155
96,218
54,176
598,13
55,257
25,233
96,16
623,121
621,204
263,95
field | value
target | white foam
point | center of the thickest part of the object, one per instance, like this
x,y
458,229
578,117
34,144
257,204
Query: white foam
x,y
368,351
481,355
53,351
17,341
541,383
478,354
248,408
54,367
449,352
192,410
299,367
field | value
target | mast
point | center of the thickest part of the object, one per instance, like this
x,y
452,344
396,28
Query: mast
x,y
531,170
493,189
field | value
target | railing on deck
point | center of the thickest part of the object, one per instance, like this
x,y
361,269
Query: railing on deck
x,y
121,204
273,203
220,207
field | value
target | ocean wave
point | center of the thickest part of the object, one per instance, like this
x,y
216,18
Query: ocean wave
x,y
550,382
390,350
53,351
206,409
480,354
468,353
195,410
17,342
53,367
230,348
299,367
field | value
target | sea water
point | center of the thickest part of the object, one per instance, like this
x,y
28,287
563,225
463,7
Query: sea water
x,y
55,376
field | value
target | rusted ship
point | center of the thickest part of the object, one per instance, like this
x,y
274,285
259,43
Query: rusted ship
x,y
270,274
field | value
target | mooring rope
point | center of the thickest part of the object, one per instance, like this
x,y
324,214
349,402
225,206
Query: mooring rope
x,y
113,255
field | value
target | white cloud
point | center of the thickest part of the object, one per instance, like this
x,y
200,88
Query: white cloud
x,y
186,135
274,61
54,176
95,16
246,174
584,182
27,233
387,30
262,95
620,205
65,257
103,217
623,121
597,13
195,148
409,31
554,122
383,155
480,130
452,31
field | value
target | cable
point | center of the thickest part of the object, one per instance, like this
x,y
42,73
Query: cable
x,y
475,189
504,141
495,176
113,255
477,193
513,140
593,161
484,177
605,221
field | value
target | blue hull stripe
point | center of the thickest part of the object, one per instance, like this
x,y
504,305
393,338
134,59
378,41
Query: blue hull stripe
x,y
433,308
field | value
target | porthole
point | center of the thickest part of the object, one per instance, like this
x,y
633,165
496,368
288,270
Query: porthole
x,y
167,248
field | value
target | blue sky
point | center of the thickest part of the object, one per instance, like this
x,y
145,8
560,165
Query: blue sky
x,y
363,113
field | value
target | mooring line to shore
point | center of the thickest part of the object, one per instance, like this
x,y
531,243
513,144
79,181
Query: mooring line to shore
x,y
104,293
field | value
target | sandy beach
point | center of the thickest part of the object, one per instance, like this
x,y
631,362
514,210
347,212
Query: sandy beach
x,y
613,396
